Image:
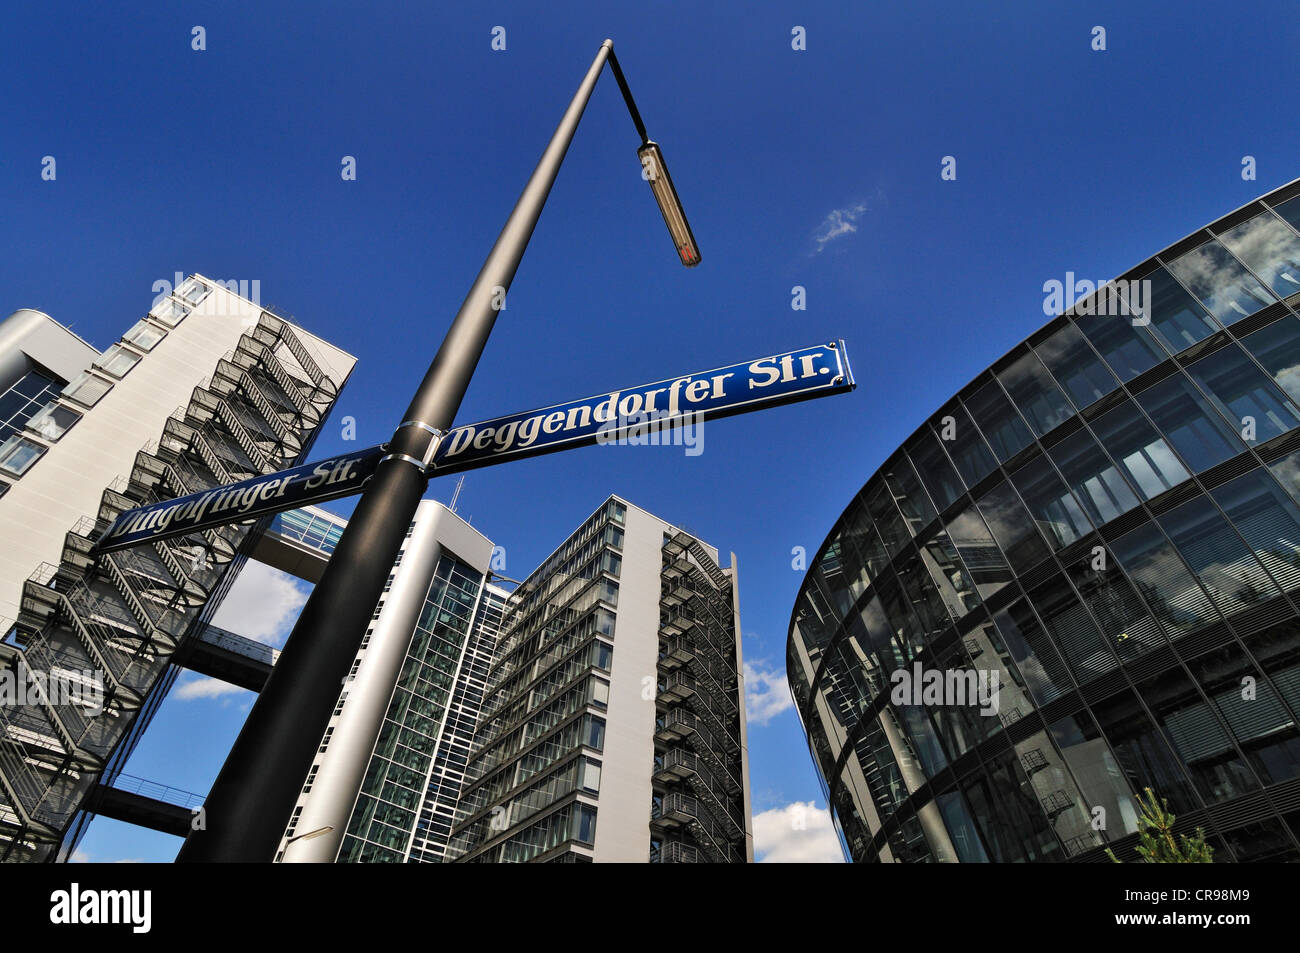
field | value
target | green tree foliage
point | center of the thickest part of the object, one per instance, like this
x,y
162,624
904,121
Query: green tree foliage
x,y
1155,828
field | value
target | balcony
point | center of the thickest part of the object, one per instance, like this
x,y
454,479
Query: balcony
x,y
674,725
674,853
675,652
675,765
676,687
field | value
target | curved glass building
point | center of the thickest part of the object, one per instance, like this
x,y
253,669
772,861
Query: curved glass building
x,y
1105,521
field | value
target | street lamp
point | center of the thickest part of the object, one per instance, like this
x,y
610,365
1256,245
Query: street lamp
x,y
247,810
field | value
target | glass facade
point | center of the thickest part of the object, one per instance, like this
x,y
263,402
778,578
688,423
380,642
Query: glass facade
x,y
1108,520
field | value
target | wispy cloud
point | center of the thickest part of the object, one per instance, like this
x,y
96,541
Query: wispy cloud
x,y
838,223
799,833
201,686
766,693
262,604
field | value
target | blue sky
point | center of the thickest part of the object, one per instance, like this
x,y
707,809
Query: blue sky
x,y
818,168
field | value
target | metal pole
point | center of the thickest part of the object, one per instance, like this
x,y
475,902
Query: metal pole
x,y
248,808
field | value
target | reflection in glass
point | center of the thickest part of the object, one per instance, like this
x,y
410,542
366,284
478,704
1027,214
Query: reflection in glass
x,y
1175,315
1243,394
1035,656
1269,249
1141,452
1032,390
1056,511
1231,574
934,469
974,543
963,442
1129,349
1012,527
1073,363
1228,290
1269,521
1163,581
1005,432
1277,348
1093,477
1197,431
1099,777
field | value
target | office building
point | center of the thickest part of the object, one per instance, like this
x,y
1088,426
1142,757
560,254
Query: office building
x,y
1107,519
208,388
614,727
436,625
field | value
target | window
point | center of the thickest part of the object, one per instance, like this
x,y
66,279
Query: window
x,y
54,421
17,455
1093,477
935,470
1075,366
1174,597
117,360
1056,512
1218,280
1277,348
1032,390
1142,453
591,775
1005,432
1269,521
145,335
170,312
192,291
23,399
1129,349
1231,574
1175,316
584,824
1196,430
86,389
1012,527
1269,249
964,444
1244,395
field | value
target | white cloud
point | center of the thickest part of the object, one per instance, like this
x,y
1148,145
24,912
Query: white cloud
x,y
838,222
262,604
201,686
79,856
799,833
766,693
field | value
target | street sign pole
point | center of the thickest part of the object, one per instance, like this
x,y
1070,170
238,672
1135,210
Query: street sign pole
x,y
245,814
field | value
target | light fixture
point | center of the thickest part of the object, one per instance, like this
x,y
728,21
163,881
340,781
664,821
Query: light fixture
x,y
654,171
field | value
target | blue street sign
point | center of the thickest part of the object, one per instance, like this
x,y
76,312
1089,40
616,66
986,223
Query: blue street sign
x,y
633,414
272,493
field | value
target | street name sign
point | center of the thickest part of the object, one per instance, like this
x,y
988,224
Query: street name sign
x,y
621,414
273,493
736,389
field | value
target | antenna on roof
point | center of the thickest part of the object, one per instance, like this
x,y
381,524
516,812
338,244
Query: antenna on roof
x,y
456,495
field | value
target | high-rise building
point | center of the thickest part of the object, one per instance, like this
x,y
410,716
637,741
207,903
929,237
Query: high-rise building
x,y
1108,521
595,712
208,388
614,726
436,626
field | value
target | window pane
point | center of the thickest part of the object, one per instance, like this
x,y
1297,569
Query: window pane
x,y
145,335
86,389
1269,249
963,442
935,470
1277,347
1075,366
1005,432
170,312
117,360
1218,280
1244,394
1045,676
1174,597
1142,453
1233,577
53,422
974,543
1098,775
1058,514
1126,625
18,454
1013,527
1074,631
1129,349
1032,390
912,500
1176,317
1269,521
1197,736
1093,477
1197,431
